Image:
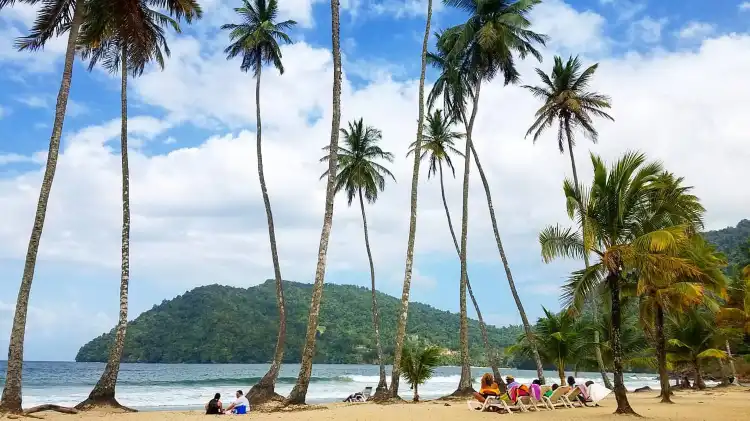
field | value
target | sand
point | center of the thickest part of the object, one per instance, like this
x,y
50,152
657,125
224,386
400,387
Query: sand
x,y
727,404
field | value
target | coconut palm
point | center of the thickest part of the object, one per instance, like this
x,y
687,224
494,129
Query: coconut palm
x,y
256,40
409,264
418,364
622,207
557,337
54,17
126,37
567,100
438,146
693,335
359,175
299,392
495,31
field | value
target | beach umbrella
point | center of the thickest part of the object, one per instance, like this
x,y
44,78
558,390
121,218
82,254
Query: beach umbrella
x,y
598,392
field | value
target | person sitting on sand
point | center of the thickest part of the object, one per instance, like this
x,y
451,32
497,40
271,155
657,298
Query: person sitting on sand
x,y
213,407
549,393
487,388
239,406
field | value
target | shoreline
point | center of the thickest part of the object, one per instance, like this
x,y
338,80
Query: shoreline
x,y
726,404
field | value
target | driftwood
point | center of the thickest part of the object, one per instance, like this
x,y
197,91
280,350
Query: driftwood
x,y
50,407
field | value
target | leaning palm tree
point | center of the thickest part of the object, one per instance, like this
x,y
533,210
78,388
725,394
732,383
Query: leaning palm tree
x,y
404,311
437,148
620,233
54,17
495,31
693,337
299,392
359,175
257,39
567,100
126,37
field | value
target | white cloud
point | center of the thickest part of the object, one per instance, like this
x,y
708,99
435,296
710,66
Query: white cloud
x,y
13,158
570,30
4,111
34,101
626,9
403,8
745,5
647,30
696,30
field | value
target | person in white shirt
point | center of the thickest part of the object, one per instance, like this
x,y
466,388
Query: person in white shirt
x,y
240,406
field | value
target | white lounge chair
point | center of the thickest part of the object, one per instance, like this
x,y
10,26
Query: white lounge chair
x,y
556,399
489,403
365,394
571,398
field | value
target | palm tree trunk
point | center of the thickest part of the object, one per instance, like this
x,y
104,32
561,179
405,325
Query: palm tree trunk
x,y
403,314
464,384
521,311
698,383
264,390
561,374
594,301
623,406
491,356
731,364
104,390
299,392
661,356
416,393
11,397
382,389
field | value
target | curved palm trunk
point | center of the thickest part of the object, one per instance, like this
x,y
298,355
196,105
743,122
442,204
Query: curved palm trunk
x,y
594,302
561,373
299,392
264,390
661,357
104,390
491,356
521,311
731,364
401,329
11,397
623,406
698,383
382,388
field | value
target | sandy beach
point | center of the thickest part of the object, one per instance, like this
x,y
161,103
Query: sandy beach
x,y
717,404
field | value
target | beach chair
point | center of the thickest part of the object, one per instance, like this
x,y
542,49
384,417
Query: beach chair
x,y
571,397
365,395
526,403
557,398
489,403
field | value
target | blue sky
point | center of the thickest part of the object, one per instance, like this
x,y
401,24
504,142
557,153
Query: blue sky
x,y
677,73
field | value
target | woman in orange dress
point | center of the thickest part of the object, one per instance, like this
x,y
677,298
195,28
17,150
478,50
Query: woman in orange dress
x,y
487,388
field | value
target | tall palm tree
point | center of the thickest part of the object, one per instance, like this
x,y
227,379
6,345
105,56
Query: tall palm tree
x,y
558,340
620,233
567,100
359,175
404,311
438,145
495,31
49,23
299,392
257,39
126,37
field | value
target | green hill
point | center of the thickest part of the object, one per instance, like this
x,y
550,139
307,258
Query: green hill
x,y
732,241
221,324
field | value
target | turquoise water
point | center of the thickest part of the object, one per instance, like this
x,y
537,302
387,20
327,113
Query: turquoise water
x,y
189,386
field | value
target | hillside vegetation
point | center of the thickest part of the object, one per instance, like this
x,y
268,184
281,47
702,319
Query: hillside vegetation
x,y
221,324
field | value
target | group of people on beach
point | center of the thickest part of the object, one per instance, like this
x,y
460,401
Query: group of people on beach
x,y
488,387
240,405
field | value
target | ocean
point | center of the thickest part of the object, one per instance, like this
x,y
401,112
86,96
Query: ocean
x,y
189,386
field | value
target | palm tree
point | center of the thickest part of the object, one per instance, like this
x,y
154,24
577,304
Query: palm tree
x,y
437,148
487,42
693,336
558,339
359,175
404,311
257,39
299,392
622,207
126,36
418,364
663,294
49,23
566,100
